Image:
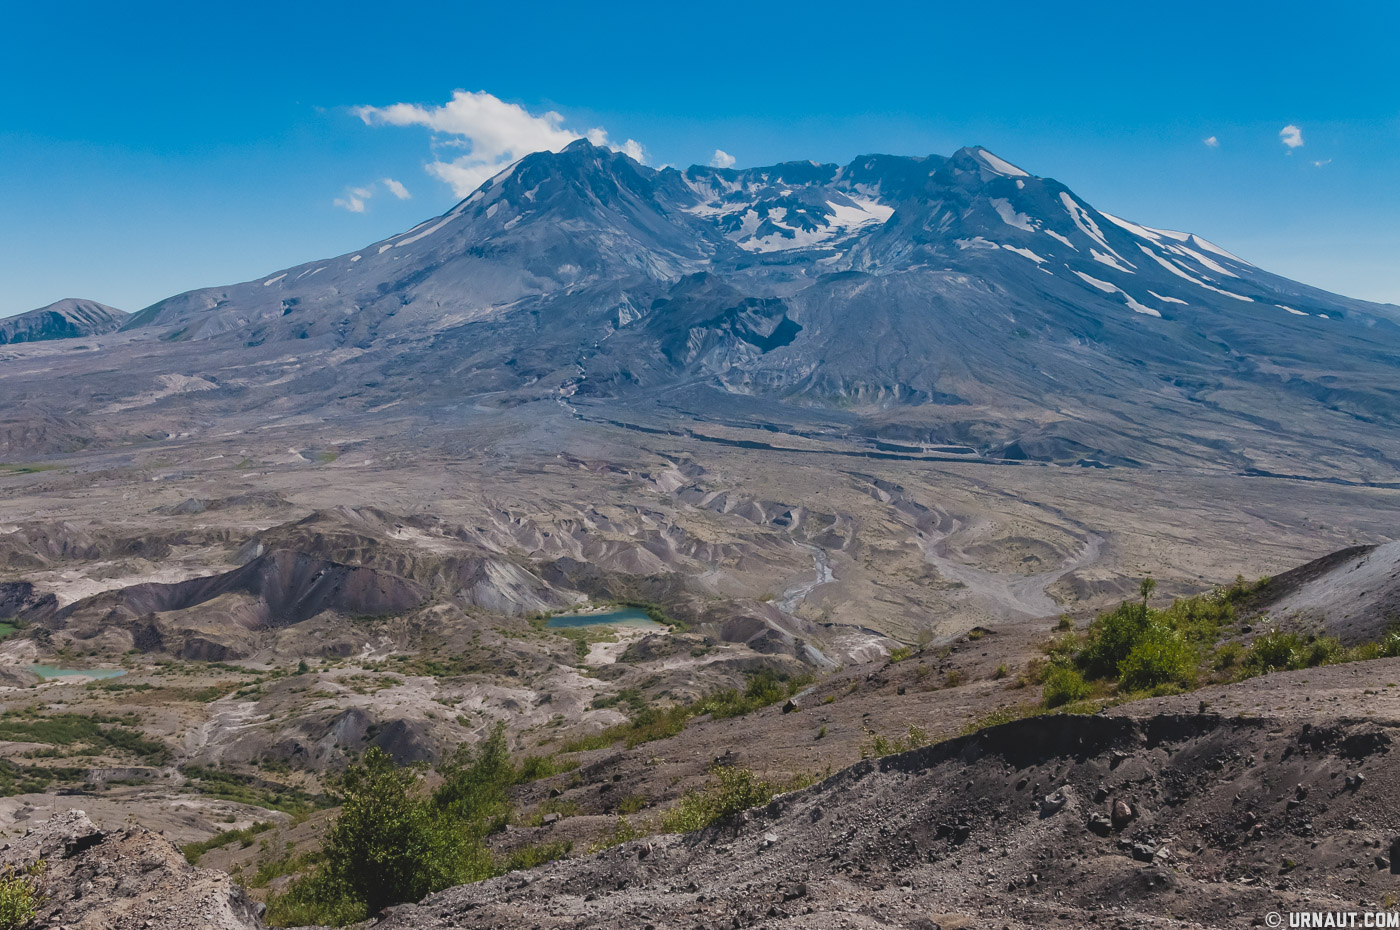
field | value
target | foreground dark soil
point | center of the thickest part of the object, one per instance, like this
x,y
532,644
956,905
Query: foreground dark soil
x,y
1220,819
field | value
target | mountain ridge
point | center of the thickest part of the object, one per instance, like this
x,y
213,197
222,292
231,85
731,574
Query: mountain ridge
x,y
933,300
68,318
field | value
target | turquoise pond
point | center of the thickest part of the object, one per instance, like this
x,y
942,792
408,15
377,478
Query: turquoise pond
x,y
627,616
47,672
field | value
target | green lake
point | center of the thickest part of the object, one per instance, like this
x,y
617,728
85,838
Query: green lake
x,y
48,672
627,616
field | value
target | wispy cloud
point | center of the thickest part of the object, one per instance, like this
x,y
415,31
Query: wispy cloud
x,y
493,132
355,197
1291,136
722,159
1323,163
1211,142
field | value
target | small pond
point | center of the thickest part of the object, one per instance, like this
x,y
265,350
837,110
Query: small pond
x,y
48,672
626,616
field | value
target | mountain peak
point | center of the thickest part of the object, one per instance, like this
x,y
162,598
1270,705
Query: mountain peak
x,y
63,319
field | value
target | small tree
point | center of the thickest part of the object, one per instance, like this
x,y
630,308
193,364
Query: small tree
x,y
476,784
383,848
1111,637
1145,588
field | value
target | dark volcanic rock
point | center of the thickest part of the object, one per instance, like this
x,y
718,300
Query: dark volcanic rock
x,y
900,840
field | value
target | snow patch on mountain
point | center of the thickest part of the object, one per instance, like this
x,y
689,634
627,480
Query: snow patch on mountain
x,y
1086,223
1000,165
1212,247
1113,288
1010,217
1117,264
1025,252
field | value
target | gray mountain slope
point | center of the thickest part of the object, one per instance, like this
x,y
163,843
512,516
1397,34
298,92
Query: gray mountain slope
x,y
64,319
931,300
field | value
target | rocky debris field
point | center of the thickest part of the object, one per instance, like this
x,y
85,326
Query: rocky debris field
x,y
1182,820
1158,813
124,880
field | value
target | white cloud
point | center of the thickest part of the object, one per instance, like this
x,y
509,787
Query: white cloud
x,y
1319,164
494,133
1212,142
351,202
1291,136
355,197
722,159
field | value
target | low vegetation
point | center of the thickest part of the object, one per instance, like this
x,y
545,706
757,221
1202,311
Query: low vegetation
x,y
881,745
251,790
650,723
19,895
396,841
83,734
244,837
1136,650
730,791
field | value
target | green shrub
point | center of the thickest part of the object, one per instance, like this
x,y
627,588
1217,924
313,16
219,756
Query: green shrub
x,y
533,768
1228,656
1160,657
732,791
19,895
1390,643
394,843
1111,637
1272,651
881,745
1324,650
383,848
193,851
475,790
623,832
527,857
1064,685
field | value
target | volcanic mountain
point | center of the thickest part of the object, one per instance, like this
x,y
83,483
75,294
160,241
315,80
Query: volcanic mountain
x,y
957,304
62,320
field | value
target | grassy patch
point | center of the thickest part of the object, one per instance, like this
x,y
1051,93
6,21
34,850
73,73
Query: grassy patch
x,y
881,745
96,732
193,851
248,789
653,723
730,791
623,832
31,468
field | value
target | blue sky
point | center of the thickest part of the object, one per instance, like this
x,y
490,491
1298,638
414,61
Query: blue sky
x,y
146,149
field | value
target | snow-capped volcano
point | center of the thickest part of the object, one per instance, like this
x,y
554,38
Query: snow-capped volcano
x,y
950,299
